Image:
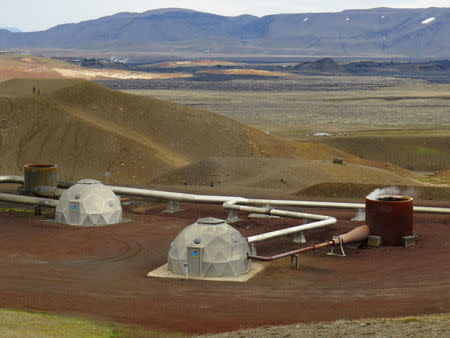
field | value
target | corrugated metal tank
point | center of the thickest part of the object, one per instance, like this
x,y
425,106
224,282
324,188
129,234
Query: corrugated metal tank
x,y
390,217
39,174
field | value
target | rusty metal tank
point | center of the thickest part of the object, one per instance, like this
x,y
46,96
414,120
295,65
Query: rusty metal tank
x,y
39,174
390,217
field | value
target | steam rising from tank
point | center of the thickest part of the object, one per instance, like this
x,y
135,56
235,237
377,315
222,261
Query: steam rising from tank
x,y
374,195
389,191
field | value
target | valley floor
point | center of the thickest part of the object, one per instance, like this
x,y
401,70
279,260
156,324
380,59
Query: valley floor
x,y
100,273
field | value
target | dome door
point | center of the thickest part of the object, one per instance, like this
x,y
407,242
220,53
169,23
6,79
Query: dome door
x,y
195,261
74,212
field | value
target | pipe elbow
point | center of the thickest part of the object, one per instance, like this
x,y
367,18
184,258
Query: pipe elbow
x,y
232,203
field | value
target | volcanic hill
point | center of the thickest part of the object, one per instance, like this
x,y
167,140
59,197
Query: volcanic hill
x,y
88,129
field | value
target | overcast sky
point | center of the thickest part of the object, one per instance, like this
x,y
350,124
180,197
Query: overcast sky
x,y
33,15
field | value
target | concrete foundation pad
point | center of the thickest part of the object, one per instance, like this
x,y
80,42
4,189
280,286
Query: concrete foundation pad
x,y
124,220
374,241
408,241
163,272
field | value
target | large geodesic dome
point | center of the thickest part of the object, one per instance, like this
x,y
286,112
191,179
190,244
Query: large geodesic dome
x,y
209,248
88,203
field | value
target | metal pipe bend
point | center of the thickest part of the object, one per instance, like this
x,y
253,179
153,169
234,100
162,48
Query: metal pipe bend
x,y
321,220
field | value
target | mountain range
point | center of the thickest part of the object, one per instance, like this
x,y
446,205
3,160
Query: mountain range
x,y
11,29
379,32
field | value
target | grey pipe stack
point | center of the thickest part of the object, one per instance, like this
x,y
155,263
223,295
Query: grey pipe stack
x,y
20,199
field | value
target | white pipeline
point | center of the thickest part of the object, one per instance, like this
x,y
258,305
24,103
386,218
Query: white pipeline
x,y
228,202
321,221
170,196
44,202
11,179
209,199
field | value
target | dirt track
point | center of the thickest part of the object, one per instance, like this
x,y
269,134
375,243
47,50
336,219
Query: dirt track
x,y
99,272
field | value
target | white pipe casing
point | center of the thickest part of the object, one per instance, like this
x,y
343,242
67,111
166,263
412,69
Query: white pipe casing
x,y
322,221
211,199
432,210
292,230
12,179
44,202
229,202
170,196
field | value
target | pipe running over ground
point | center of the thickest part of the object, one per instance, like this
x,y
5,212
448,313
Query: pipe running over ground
x,y
356,235
236,205
211,199
36,201
229,202
12,179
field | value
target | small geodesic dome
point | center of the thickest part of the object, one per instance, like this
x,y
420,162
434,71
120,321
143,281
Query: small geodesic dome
x,y
209,248
88,203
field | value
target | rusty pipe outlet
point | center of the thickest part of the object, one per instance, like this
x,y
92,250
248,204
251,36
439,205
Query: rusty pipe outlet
x,y
356,235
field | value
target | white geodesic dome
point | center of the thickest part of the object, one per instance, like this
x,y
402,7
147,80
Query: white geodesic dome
x,y
88,203
209,248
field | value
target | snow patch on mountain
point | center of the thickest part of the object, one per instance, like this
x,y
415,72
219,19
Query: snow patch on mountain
x,y
424,22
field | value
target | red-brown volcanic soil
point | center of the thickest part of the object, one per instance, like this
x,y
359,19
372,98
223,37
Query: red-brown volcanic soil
x,y
100,273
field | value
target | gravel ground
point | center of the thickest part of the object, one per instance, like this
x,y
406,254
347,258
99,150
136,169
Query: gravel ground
x,y
414,326
237,83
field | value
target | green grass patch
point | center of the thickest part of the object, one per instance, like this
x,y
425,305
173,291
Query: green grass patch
x,y
421,150
25,324
439,131
410,320
17,211
431,179
14,323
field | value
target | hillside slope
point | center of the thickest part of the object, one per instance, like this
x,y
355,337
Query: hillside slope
x,y
14,65
276,174
88,129
370,33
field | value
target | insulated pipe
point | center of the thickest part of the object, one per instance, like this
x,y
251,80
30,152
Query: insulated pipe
x,y
11,179
292,230
210,199
44,202
322,221
21,180
432,210
356,235
338,205
173,196
65,184
48,191
182,197
233,205
314,204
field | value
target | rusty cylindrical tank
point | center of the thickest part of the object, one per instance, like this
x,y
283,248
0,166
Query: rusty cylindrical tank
x,y
390,217
39,174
